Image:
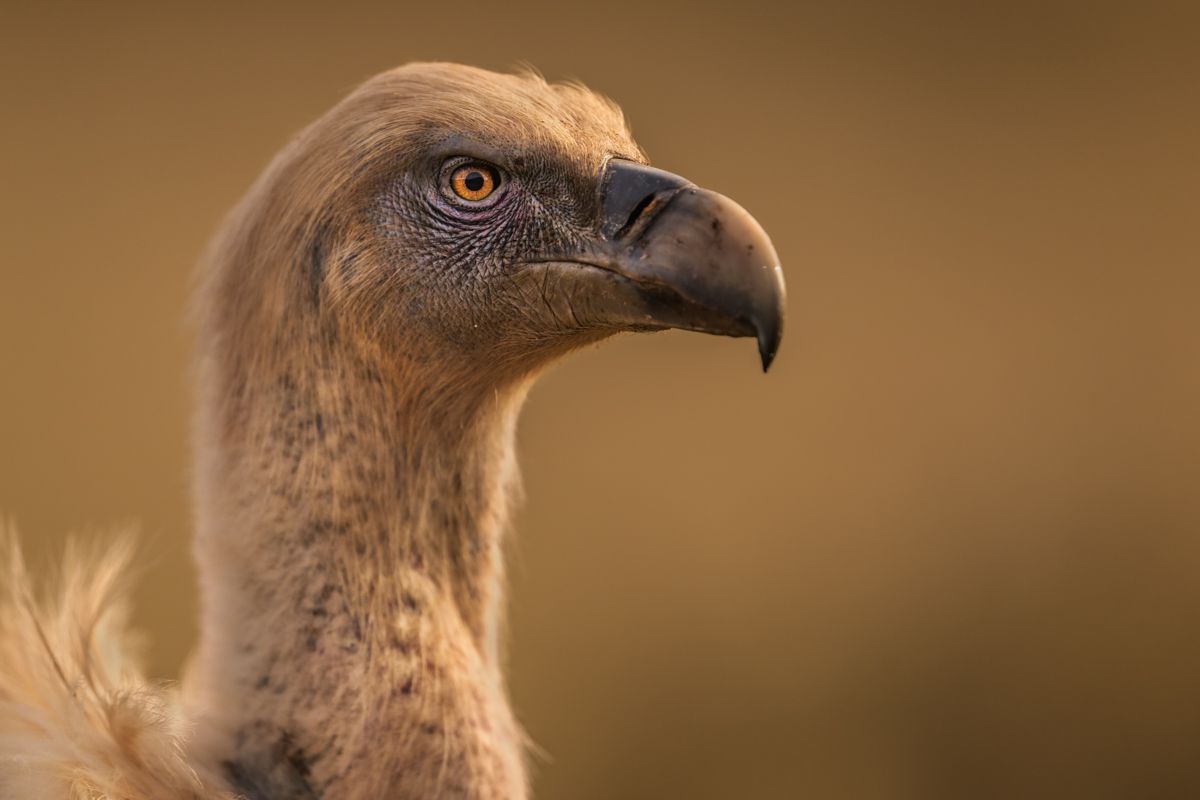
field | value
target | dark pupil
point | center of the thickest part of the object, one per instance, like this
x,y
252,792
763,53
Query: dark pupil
x,y
474,181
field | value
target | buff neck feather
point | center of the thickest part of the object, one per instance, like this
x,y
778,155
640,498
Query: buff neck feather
x,y
349,544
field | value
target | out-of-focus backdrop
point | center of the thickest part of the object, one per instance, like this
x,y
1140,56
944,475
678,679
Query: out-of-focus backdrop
x,y
948,548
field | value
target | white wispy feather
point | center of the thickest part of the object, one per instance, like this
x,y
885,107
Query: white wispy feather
x,y
78,719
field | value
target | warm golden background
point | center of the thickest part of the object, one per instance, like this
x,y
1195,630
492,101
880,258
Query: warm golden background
x,y
949,548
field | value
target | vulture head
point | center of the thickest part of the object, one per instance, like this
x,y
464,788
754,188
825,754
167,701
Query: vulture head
x,y
484,224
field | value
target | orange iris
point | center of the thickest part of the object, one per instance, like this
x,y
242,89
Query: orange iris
x,y
473,182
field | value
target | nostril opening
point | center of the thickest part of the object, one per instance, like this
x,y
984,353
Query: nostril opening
x,y
636,214
630,195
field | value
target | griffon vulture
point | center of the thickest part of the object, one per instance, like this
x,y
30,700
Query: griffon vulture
x,y
371,316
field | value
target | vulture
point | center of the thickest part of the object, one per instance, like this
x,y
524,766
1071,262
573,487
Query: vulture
x,y
370,317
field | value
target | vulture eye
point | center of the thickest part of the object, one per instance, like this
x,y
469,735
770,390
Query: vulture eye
x,y
474,181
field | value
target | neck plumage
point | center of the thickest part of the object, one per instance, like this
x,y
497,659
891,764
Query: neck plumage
x,y
348,541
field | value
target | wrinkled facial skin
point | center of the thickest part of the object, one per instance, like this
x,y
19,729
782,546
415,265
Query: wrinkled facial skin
x,y
479,276
477,270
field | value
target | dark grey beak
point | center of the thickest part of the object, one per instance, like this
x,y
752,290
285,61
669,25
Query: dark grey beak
x,y
699,259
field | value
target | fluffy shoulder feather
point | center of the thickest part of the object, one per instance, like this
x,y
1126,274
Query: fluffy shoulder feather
x,y
78,721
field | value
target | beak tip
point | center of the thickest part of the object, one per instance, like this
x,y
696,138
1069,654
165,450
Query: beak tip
x,y
768,345
769,323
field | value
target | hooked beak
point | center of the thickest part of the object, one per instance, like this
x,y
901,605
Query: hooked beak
x,y
696,259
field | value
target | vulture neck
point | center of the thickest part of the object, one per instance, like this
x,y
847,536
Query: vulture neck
x,y
349,543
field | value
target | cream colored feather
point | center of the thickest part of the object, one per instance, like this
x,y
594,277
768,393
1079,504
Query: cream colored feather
x,y
78,720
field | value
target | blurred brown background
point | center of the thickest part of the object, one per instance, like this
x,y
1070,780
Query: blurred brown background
x,y
949,548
